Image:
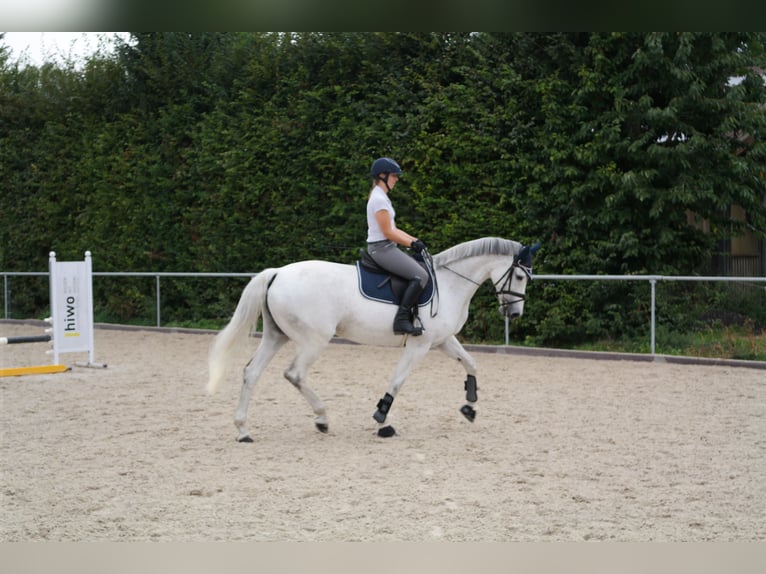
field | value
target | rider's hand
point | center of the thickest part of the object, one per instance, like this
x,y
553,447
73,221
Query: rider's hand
x,y
418,246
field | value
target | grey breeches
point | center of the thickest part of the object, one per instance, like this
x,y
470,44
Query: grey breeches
x,y
387,255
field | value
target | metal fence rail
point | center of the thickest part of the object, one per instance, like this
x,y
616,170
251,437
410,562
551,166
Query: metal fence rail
x,y
156,274
652,279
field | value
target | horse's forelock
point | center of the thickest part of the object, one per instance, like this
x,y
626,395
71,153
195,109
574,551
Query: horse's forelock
x,y
476,247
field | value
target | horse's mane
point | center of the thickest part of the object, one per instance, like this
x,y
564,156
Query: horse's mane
x,y
483,246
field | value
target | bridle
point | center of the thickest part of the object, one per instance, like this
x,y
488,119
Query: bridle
x,y
505,286
502,286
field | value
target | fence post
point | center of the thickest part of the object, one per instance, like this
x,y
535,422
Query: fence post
x,y
654,284
6,297
157,290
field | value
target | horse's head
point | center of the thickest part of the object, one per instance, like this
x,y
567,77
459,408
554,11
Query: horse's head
x,y
511,285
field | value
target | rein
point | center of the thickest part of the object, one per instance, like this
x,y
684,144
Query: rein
x,y
429,261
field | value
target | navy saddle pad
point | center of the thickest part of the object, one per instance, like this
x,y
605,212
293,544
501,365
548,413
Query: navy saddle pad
x,y
379,285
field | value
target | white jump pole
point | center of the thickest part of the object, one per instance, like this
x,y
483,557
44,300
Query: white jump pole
x,y
21,340
36,369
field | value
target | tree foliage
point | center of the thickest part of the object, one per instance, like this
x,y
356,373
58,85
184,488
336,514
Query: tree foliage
x,y
235,151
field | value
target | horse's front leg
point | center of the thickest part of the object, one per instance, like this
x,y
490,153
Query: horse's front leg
x,y
413,354
452,348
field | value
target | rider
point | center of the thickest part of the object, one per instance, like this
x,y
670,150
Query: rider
x,y
383,237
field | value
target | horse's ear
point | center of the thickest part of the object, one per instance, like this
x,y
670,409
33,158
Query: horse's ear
x,y
525,255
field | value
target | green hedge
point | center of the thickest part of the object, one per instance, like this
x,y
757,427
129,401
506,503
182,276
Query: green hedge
x,y
232,152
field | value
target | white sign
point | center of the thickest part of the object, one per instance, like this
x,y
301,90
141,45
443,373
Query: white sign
x,y
71,306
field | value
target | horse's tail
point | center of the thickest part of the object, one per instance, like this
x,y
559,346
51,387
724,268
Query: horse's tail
x,y
248,311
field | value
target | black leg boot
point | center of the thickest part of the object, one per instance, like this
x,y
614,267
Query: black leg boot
x,y
403,319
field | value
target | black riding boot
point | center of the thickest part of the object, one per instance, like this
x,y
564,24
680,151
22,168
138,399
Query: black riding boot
x,y
403,319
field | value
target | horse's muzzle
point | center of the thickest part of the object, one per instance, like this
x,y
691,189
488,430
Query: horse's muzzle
x,y
511,311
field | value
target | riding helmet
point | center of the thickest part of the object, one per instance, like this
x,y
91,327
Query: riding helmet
x,y
384,165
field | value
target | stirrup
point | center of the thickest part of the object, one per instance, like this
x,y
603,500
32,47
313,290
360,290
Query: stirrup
x,y
415,332
410,328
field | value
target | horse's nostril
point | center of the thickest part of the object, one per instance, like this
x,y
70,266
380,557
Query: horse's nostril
x,y
515,315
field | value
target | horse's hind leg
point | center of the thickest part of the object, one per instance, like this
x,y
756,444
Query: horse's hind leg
x,y
271,342
452,348
305,356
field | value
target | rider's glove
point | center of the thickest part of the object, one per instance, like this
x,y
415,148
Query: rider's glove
x,y
418,246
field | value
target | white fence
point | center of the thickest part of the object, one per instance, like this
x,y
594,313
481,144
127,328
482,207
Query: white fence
x,y
652,279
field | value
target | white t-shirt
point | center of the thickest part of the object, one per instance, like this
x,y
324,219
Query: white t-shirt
x,y
378,201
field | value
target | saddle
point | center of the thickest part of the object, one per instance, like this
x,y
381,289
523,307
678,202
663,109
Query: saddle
x,y
380,285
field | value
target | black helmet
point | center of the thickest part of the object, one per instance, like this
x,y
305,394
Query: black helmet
x,y
384,165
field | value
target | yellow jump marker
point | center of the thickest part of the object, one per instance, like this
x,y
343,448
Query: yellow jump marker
x,y
39,370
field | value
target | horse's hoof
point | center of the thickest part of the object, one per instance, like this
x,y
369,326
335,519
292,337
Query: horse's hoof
x,y
386,432
468,412
322,427
245,438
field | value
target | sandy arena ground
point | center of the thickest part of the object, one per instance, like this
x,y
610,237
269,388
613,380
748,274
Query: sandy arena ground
x,y
562,449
